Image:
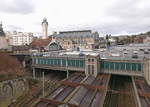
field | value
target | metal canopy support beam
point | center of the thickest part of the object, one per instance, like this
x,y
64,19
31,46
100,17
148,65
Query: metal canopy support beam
x,y
67,74
33,73
67,67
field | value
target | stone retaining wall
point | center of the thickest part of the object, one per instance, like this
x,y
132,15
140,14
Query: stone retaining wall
x,y
10,90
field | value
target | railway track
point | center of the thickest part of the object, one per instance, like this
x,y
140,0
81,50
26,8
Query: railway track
x,y
63,91
32,96
89,93
120,92
143,90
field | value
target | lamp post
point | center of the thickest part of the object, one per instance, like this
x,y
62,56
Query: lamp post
x,y
33,73
67,67
43,84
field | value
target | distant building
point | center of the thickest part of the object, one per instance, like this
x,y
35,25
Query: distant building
x,y
3,41
112,41
40,44
138,39
9,37
20,49
132,47
20,38
102,42
84,39
146,40
45,28
45,45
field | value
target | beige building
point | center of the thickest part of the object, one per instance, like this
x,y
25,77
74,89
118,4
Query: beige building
x,y
146,40
19,38
3,41
45,28
9,37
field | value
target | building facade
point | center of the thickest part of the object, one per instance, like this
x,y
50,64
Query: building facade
x,y
3,41
45,45
85,39
20,38
45,28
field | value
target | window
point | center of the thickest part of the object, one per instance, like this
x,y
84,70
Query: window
x,y
102,65
73,62
117,66
92,60
92,69
49,61
133,66
139,67
55,61
128,66
111,66
77,63
52,62
122,66
44,61
69,63
59,61
106,65
63,62
82,63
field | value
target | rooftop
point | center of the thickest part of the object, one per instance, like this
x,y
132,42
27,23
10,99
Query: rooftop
x,y
103,54
78,31
40,42
82,33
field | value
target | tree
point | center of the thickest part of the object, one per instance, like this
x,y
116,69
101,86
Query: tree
x,y
107,40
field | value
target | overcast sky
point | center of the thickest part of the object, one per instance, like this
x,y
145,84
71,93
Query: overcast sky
x,y
105,16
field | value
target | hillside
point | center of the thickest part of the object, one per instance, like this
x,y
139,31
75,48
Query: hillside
x,y
9,67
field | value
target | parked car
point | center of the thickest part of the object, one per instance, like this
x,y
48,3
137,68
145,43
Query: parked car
x,y
146,52
135,56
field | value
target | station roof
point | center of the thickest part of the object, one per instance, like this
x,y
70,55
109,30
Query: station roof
x,y
113,54
81,52
80,33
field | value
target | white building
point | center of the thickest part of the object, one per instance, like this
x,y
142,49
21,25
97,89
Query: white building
x,y
146,40
20,38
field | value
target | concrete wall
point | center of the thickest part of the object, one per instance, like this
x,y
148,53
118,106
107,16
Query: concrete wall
x,y
146,69
91,63
10,90
3,43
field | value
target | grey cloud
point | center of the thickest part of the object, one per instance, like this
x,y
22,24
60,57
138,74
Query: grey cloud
x,y
120,28
17,6
14,28
122,16
129,9
130,17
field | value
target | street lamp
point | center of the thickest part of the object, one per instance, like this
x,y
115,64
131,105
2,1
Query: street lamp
x,y
43,84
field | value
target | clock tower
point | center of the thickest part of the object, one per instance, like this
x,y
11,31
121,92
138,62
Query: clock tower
x,y
45,28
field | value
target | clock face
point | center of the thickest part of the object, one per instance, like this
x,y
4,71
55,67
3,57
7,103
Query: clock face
x,y
44,20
